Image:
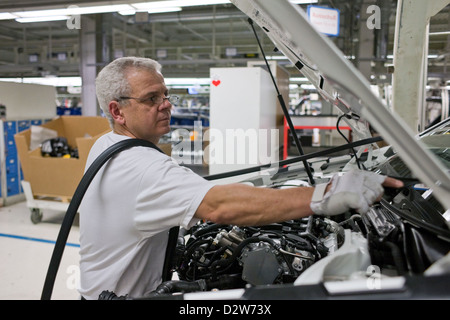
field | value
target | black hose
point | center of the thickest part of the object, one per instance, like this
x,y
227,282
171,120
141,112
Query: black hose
x,y
109,295
397,257
346,140
179,286
173,286
75,203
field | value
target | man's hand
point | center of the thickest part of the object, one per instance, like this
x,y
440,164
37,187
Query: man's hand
x,y
355,189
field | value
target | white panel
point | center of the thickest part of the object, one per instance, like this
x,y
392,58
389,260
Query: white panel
x,y
28,101
242,110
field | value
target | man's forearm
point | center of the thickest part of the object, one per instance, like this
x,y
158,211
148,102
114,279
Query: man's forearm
x,y
245,205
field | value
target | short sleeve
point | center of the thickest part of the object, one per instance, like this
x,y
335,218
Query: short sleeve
x,y
169,196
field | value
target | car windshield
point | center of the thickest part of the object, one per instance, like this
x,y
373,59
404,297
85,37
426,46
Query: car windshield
x,y
437,139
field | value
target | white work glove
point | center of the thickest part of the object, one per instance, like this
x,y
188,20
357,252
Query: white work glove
x,y
355,189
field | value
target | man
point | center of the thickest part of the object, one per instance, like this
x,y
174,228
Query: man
x,y
141,193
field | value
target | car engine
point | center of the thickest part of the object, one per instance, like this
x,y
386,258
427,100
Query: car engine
x,y
276,253
403,234
224,257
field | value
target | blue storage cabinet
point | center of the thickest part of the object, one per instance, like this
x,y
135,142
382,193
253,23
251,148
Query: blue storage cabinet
x,y
23,125
13,173
37,122
10,128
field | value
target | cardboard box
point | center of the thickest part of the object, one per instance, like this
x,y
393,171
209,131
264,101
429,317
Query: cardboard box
x,y
166,148
59,177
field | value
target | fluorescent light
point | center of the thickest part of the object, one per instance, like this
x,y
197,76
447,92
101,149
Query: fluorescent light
x,y
301,79
49,81
187,81
98,9
303,1
443,33
176,3
7,16
43,13
308,87
163,6
73,10
430,56
151,10
42,19
277,58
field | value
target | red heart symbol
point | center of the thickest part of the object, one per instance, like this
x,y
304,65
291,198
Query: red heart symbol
x,y
216,82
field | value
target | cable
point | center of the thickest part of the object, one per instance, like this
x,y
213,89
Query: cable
x,y
283,106
293,160
345,138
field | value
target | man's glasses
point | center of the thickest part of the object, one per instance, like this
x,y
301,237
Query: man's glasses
x,y
154,100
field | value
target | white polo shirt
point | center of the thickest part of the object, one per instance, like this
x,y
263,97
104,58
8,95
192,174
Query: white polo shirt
x,y
125,215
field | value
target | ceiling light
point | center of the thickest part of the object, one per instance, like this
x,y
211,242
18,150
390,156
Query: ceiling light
x,y
176,3
49,81
430,56
153,10
187,81
124,9
308,87
277,58
7,16
443,33
303,1
72,10
41,19
299,79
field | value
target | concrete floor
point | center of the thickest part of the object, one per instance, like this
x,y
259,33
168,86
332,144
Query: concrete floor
x,y
25,252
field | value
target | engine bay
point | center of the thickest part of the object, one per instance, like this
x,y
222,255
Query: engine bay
x,y
405,234
218,257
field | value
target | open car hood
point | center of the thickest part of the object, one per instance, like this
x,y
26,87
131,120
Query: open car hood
x,y
341,84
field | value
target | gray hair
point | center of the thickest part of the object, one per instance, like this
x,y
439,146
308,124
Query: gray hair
x,y
112,82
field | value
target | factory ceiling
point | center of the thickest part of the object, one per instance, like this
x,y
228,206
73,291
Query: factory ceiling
x,y
189,42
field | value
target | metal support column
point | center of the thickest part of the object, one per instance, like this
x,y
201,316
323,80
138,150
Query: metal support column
x,y
88,67
410,58
366,41
96,51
